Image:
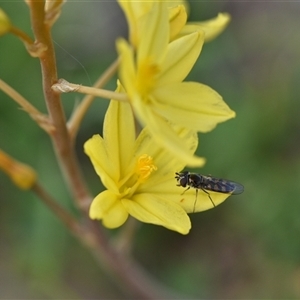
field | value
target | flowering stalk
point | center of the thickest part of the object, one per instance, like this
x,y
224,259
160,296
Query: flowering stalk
x,y
135,281
138,173
60,137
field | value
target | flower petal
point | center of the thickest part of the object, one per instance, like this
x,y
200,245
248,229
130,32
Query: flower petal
x,y
165,162
119,135
165,188
108,208
155,33
193,203
133,11
155,210
127,71
193,105
172,3
212,27
187,199
182,55
163,133
177,19
96,150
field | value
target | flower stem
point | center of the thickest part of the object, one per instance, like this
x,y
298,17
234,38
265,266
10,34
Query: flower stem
x,y
84,105
63,86
60,138
134,281
69,221
22,35
42,120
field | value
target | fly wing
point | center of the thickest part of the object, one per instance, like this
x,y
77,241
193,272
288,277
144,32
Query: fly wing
x,y
238,188
222,185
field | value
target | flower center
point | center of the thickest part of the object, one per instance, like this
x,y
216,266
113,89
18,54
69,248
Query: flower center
x,y
143,169
146,77
145,166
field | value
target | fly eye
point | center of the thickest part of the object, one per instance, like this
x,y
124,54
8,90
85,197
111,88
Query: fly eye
x,y
183,181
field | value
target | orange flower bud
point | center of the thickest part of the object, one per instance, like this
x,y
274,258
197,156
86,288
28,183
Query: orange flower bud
x,y
22,175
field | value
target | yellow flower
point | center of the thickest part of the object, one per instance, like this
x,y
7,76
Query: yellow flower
x,y
139,175
152,77
130,168
177,11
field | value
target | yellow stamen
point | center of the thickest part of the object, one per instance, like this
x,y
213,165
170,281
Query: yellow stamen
x,y
145,166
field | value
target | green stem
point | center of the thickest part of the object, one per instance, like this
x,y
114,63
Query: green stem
x,y
67,219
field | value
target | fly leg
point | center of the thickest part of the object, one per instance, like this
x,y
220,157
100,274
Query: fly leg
x,y
208,196
195,200
186,190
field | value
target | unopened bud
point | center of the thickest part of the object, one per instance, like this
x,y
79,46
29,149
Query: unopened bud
x,y
5,24
22,175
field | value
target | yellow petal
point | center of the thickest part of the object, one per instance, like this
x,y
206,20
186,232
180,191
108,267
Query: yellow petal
x,y
174,3
177,19
182,55
151,209
166,163
193,105
192,203
127,71
95,149
187,199
119,135
212,27
155,34
108,208
165,188
133,11
163,133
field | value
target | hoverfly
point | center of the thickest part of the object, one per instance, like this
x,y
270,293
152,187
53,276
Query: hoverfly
x,y
207,183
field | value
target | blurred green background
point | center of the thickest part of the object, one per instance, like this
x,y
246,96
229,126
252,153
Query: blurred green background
x,y
248,247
